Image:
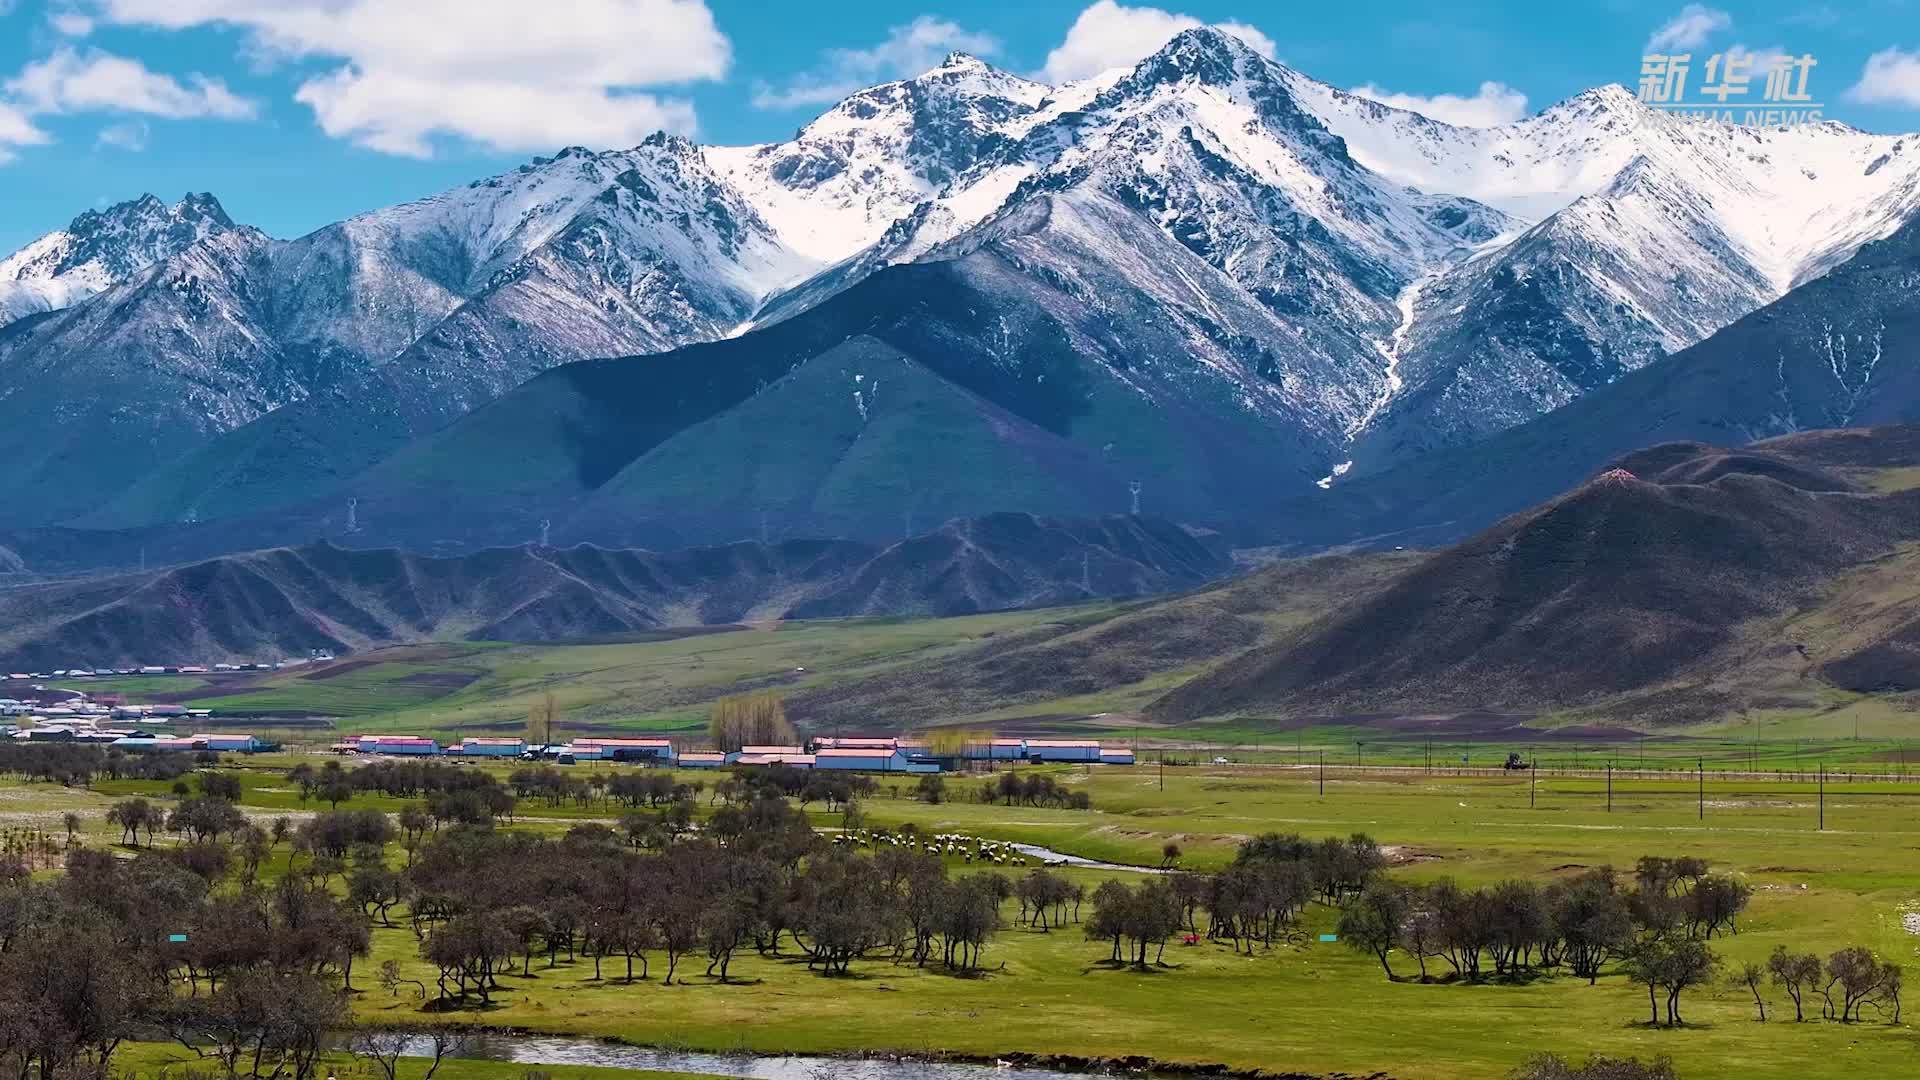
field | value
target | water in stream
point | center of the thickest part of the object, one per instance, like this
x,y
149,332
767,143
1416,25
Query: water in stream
x,y
1048,855
562,1050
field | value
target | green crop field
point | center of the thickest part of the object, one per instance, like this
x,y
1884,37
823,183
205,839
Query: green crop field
x,y
1310,1007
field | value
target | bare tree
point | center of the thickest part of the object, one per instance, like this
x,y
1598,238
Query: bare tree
x,y
1751,975
1794,973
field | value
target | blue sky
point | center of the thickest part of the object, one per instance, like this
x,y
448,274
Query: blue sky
x,y
299,112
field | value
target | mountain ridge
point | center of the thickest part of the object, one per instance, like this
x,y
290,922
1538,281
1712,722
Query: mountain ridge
x,y
1380,285
291,600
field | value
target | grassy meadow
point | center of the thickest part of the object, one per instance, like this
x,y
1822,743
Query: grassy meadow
x,y
1309,1007
662,682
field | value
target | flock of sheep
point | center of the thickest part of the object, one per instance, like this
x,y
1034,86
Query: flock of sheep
x,y
944,845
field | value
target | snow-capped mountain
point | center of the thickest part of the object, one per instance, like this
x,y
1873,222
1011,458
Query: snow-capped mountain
x,y
1652,233
1207,227
846,177
1488,274
102,248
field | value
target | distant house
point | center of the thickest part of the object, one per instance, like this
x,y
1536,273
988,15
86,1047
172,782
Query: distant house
x,y
704,759
1111,755
764,751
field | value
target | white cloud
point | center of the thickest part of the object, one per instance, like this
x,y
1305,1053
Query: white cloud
x,y
128,136
1891,77
17,130
1109,35
908,50
1758,59
508,74
1690,29
69,81
1494,104
71,23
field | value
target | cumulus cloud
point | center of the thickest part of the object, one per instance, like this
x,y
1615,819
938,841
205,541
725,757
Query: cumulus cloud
x,y
1891,77
69,81
908,50
128,136
1109,35
507,74
1495,104
1690,29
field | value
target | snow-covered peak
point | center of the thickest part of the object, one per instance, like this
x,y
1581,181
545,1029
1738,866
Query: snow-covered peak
x,y
461,237
1202,53
101,248
868,161
107,245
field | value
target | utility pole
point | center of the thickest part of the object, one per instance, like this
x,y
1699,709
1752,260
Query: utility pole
x,y
1700,773
1609,787
1163,768
1823,796
1533,775
1323,773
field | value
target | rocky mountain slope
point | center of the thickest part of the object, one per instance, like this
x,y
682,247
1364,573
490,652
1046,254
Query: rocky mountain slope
x,y
322,597
1840,350
1641,583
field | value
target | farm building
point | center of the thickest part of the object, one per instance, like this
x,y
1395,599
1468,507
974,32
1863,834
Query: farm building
x,y
657,750
154,742
838,742
1039,750
1116,755
412,745
762,751
704,759
474,746
996,750
858,760
798,760
231,742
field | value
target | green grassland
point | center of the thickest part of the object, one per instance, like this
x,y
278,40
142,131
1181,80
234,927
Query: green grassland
x,y
659,684
1312,1007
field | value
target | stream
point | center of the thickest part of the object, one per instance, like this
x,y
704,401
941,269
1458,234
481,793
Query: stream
x,y
1052,857
564,1050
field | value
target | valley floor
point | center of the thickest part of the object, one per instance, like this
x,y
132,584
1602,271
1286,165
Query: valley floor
x,y
1307,1006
